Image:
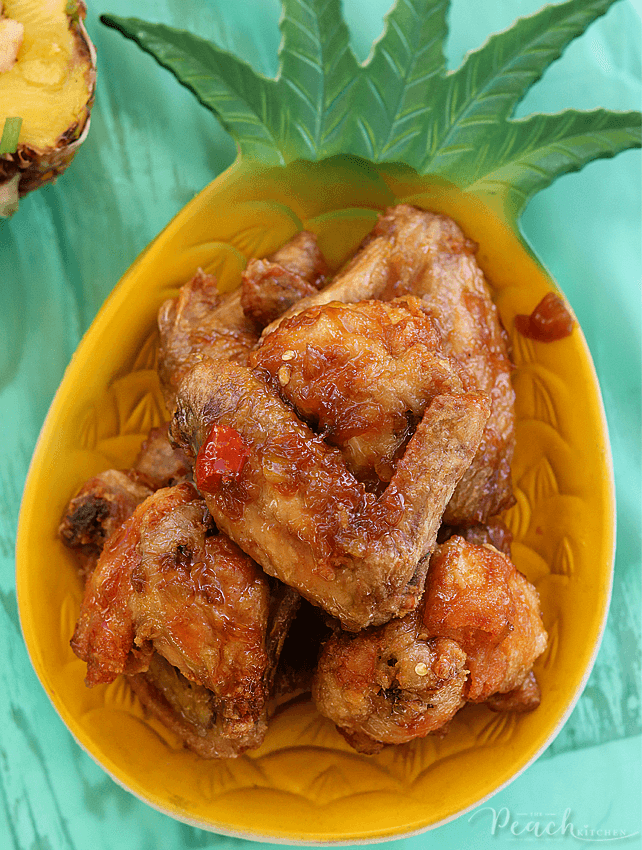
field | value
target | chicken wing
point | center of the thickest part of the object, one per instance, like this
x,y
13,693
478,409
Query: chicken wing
x,y
190,711
453,288
294,507
362,374
474,638
477,597
166,582
367,275
200,323
414,252
101,506
271,286
109,498
159,464
386,686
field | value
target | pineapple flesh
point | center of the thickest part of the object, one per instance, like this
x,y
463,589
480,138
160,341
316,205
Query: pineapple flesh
x,y
47,78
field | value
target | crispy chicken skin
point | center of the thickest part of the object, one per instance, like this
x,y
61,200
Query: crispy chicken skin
x,y
200,323
271,286
297,510
158,463
105,501
190,711
477,597
494,532
166,582
474,638
101,506
362,374
385,686
414,252
452,287
525,697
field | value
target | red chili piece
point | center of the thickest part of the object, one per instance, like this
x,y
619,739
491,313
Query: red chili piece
x,y
548,322
221,456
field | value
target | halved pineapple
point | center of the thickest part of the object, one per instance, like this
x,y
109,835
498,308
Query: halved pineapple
x,y
47,79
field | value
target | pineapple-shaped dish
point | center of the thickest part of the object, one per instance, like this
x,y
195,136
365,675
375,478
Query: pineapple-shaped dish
x,y
327,146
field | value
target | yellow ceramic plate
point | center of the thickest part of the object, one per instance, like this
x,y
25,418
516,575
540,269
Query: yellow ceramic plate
x,y
305,784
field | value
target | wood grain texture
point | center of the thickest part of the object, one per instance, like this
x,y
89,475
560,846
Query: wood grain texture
x,y
150,149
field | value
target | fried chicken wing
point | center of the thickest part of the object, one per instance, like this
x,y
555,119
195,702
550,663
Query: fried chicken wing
x,y
109,498
477,597
386,686
190,711
414,252
294,507
362,374
160,464
200,323
271,286
474,638
366,276
494,532
167,582
446,276
100,507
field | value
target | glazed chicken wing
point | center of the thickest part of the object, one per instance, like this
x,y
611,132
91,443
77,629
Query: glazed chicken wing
x,y
362,374
271,286
474,638
167,582
105,501
200,323
101,506
452,287
413,252
158,463
386,686
190,711
295,508
365,277
477,597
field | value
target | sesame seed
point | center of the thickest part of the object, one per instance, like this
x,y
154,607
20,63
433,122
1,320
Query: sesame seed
x,y
421,669
288,355
284,375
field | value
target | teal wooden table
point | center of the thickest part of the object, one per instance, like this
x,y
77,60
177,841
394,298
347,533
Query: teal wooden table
x,y
151,148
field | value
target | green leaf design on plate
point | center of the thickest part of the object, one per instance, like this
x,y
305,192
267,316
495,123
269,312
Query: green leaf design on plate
x,y
317,75
399,83
402,105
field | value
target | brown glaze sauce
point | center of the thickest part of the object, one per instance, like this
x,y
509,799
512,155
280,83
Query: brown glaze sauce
x,y
549,321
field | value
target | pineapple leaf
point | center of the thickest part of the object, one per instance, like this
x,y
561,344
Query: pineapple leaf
x,y
395,86
402,105
317,72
